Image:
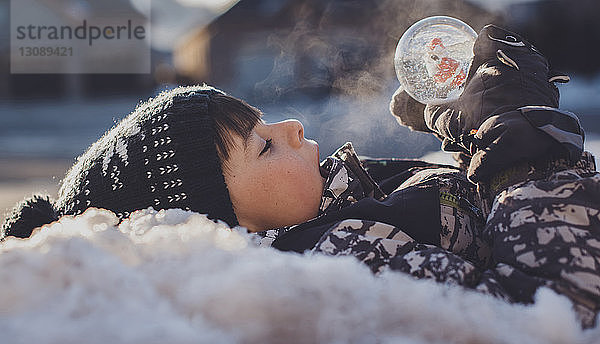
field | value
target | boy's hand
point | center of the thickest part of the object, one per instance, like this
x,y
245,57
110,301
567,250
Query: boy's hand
x,y
407,111
489,121
507,73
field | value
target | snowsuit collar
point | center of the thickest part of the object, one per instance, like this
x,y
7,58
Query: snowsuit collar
x,y
346,180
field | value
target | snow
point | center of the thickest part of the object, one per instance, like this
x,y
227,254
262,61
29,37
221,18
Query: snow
x,y
439,157
174,276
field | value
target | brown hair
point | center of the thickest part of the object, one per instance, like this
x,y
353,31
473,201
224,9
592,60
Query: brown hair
x,y
232,116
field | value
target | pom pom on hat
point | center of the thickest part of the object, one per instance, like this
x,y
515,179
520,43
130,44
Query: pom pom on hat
x,y
27,215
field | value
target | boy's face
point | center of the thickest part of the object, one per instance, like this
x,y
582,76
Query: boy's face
x,y
274,179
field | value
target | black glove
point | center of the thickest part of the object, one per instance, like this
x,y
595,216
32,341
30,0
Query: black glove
x,y
488,120
507,72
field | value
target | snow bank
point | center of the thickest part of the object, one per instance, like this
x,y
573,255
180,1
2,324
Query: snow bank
x,y
176,277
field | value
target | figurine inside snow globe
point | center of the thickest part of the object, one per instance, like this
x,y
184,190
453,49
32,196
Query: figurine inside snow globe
x,y
433,58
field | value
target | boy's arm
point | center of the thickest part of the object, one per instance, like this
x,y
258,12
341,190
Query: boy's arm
x,y
382,246
507,114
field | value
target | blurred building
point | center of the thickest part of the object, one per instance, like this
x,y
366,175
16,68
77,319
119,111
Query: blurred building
x,y
266,49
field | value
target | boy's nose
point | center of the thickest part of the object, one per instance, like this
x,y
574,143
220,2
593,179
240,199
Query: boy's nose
x,y
294,132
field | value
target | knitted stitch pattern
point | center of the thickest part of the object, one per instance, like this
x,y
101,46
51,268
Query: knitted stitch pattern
x,y
162,155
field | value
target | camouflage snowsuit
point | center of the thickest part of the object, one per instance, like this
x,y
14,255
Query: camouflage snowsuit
x,y
538,233
524,211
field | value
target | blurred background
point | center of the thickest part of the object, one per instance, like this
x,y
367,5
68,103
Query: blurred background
x,y
328,63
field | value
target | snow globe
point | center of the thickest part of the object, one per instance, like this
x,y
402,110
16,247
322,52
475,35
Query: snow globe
x,y
433,58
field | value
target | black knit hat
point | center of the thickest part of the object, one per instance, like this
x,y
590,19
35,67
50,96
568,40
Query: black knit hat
x,y
163,155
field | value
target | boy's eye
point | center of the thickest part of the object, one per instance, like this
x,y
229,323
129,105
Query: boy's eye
x,y
267,146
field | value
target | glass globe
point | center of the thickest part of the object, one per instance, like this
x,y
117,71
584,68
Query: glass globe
x,y
433,58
